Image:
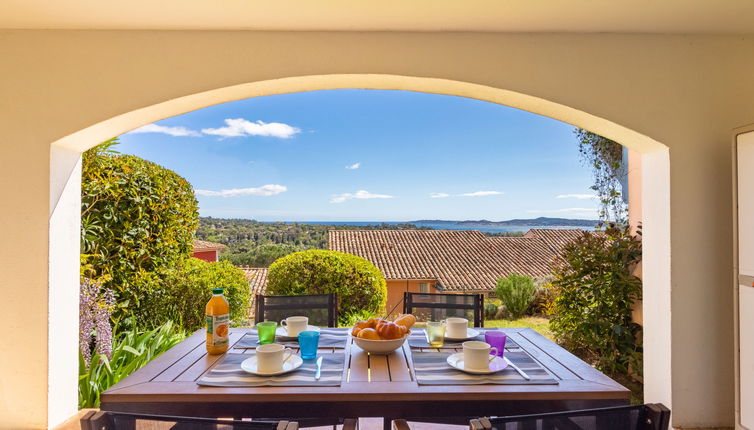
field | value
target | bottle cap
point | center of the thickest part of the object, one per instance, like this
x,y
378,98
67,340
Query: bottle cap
x,y
217,291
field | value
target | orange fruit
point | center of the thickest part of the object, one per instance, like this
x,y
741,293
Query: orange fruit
x,y
221,330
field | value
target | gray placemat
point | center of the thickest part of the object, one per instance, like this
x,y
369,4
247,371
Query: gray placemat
x,y
418,339
228,373
431,368
329,337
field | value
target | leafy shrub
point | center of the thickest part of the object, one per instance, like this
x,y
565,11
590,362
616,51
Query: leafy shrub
x,y
490,310
595,292
136,217
181,293
132,350
360,316
516,292
543,298
359,284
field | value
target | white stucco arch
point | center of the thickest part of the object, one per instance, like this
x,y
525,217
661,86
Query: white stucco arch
x,y
689,92
65,201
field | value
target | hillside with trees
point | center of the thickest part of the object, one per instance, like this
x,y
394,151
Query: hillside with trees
x,y
258,244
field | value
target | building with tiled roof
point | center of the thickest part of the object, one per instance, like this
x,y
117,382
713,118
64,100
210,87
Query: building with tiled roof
x,y
207,251
451,260
257,277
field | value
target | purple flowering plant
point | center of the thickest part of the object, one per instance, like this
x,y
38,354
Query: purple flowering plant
x,y
96,306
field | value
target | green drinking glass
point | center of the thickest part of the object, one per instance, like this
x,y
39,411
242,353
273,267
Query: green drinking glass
x,y
436,334
266,332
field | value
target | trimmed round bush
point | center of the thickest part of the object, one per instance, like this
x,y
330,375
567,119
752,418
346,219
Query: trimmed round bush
x,y
180,294
360,286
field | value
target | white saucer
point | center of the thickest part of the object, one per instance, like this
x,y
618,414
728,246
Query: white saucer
x,y
282,333
497,364
470,334
293,363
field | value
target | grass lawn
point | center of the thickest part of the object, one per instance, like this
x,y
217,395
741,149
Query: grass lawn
x,y
542,325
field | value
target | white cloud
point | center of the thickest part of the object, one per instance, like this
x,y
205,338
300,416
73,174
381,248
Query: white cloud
x,y
238,127
361,194
172,131
576,196
263,191
438,195
481,194
354,166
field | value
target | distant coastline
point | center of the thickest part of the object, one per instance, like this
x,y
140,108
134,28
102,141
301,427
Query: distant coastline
x,y
484,226
541,221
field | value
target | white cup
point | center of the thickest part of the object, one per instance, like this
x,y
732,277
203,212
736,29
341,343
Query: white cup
x,y
270,357
476,355
295,325
455,328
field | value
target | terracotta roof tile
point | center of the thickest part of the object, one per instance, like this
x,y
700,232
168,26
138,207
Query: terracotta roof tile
x,y
203,245
257,277
458,260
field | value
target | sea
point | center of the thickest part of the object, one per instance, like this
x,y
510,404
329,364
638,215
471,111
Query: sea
x,y
484,228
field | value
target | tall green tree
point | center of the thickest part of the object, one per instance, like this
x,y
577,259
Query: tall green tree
x,y
136,217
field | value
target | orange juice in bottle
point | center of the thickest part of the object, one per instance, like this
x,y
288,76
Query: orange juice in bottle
x,y
217,322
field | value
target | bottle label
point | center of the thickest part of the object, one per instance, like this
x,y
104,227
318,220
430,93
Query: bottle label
x,y
217,326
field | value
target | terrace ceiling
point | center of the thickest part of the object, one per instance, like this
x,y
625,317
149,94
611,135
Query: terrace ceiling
x,y
616,16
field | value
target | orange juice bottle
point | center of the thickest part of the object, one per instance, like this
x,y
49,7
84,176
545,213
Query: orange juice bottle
x,y
217,322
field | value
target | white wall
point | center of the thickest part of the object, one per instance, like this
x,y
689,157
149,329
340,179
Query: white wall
x,y
77,88
63,328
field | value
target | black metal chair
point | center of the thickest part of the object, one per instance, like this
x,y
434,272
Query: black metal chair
x,y
103,420
436,306
642,417
322,309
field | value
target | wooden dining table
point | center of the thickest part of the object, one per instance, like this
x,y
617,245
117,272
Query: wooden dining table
x,y
371,386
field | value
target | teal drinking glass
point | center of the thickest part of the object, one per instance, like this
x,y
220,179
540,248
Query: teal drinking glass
x,y
308,342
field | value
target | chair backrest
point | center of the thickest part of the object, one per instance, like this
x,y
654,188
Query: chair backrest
x,y
103,420
642,417
322,309
436,306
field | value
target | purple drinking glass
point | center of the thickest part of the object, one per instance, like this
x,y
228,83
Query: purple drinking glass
x,y
496,338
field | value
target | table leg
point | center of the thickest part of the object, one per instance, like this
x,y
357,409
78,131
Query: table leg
x,y
386,422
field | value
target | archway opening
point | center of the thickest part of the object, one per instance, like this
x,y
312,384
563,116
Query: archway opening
x,y
65,203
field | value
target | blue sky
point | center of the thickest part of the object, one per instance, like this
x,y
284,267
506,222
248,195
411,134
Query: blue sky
x,y
371,155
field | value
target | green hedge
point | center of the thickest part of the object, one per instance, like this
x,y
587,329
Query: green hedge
x,y
360,286
137,217
181,293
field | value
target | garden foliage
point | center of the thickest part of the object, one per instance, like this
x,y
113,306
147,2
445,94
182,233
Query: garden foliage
x,y
490,310
595,291
605,158
180,294
516,292
131,350
136,217
359,284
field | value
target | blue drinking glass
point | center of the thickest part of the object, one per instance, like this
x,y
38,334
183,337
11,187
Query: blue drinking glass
x,y
308,342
